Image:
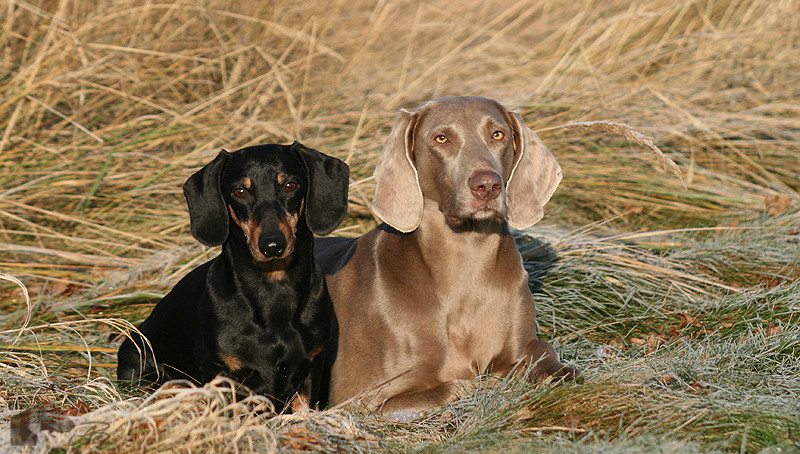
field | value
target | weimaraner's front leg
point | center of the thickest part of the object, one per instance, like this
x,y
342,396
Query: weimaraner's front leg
x,y
541,354
416,401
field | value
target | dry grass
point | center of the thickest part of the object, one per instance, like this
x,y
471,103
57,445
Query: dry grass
x,y
676,124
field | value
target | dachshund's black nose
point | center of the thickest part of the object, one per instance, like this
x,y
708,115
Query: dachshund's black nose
x,y
272,245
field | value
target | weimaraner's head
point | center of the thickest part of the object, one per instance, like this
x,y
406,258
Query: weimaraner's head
x,y
472,156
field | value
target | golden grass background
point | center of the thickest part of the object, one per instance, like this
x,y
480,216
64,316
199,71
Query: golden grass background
x,y
106,107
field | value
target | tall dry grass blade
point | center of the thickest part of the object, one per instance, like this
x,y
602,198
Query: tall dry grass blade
x,y
28,305
629,133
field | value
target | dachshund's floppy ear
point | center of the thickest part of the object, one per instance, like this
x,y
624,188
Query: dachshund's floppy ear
x,y
533,179
398,196
207,210
328,182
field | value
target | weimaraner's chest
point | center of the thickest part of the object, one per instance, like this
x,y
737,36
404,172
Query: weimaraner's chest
x,y
480,314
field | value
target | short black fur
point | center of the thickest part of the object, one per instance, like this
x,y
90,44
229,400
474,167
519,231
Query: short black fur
x,y
259,312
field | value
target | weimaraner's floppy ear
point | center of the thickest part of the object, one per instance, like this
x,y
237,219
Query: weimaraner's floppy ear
x,y
329,180
207,211
533,179
398,197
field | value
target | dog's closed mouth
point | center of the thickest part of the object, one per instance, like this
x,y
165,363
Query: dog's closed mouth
x,y
275,268
482,212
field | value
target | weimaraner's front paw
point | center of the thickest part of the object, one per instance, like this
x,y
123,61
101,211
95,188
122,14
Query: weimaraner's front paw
x,y
567,373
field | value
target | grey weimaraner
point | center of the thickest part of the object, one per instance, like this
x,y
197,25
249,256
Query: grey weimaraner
x,y
438,294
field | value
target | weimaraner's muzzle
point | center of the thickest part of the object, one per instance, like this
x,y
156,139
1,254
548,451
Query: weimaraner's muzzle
x,y
438,294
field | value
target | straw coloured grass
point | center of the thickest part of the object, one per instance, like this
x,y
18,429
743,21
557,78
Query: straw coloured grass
x,y
665,267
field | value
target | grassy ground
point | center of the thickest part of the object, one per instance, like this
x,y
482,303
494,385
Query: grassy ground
x,y
676,293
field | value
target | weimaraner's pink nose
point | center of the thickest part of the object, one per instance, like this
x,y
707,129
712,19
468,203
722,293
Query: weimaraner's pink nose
x,y
485,185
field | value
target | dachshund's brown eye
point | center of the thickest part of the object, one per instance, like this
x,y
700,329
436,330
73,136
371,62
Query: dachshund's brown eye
x,y
441,138
498,135
239,193
290,186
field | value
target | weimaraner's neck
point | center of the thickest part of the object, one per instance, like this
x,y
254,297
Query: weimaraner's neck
x,y
460,249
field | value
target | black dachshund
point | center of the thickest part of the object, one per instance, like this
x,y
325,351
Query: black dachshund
x,y
259,313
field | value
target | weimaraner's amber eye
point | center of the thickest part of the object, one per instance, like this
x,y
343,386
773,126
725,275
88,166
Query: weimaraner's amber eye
x,y
441,138
498,135
239,193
